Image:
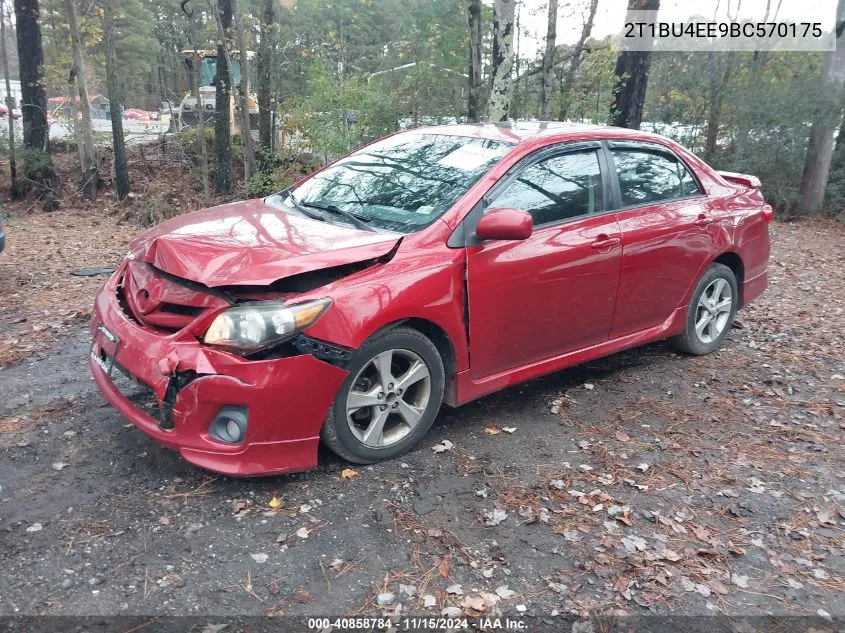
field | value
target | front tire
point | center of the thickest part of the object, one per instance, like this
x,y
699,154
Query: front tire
x,y
711,311
389,400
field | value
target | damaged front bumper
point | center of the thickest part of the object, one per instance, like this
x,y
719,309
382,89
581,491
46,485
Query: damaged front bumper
x,y
285,399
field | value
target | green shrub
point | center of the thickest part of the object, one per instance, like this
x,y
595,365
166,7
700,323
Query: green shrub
x,y
264,184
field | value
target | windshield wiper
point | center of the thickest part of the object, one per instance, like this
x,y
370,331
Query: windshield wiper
x,y
331,208
302,208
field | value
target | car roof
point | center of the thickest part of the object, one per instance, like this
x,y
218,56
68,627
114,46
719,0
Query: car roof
x,y
516,132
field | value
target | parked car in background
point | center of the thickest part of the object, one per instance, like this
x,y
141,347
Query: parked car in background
x,y
4,112
433,266
134,114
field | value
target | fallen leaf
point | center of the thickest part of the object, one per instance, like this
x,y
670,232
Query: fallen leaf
x,y
443,568
622,436
445,445
824,516
495,516
492,429
337,564
455,590
408,590
504,593
740,581
302,596
303,532
275,502
474,603
60,465
259,558
164,520
429,601
348,473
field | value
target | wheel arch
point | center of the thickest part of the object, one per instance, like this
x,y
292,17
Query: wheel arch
x,y
733,261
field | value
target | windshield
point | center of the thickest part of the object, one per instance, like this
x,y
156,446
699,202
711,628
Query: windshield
x,y
402,183
208,72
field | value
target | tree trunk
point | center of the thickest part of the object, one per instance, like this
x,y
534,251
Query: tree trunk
x,y
631,78
243,92
828,116
10,103
223,104
266,94
717,100
37,168
121,173
90,168
569,76
474,69
202,148
498,105
548,63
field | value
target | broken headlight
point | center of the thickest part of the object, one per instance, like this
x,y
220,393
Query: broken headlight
x,y
255,326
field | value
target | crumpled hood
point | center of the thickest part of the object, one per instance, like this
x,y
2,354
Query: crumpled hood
x,y
252,244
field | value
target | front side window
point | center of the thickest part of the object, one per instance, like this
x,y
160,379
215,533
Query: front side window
x,y
647,177
402,183
555,189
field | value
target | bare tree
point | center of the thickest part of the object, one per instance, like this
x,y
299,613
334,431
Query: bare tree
x,y
828,117
474,66
498,105
10,104
568,77
548,63
87,153
631,78
121,172
243,93
38,165
223,102
202,149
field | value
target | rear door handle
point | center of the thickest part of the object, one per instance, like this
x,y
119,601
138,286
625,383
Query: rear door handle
x,y
703,220
606,242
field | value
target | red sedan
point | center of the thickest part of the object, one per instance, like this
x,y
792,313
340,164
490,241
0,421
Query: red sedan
x,y
434,266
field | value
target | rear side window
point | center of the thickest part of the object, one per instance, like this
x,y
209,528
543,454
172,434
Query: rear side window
x,y
647,177
558,188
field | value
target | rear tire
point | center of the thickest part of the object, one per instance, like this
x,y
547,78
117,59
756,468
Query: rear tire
x,y
710,313
389,400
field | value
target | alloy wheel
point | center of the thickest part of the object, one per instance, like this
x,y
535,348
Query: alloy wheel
x,y
713,310
388,398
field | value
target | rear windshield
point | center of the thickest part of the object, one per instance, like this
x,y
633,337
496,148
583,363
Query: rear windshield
x,y
402,183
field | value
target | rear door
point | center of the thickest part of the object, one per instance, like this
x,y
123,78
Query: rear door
x,y
554,292
668,232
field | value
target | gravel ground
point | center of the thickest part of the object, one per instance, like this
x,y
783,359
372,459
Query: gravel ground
x,y
643,483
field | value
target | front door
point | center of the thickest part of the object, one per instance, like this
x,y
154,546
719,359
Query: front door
x,y
554,292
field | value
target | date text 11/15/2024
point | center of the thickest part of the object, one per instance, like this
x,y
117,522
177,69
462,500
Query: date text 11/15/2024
x,y
486,623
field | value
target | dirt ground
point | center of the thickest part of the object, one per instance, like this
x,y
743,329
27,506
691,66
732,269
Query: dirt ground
x,y
643,483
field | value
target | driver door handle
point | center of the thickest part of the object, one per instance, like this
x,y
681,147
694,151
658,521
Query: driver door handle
x,y
603,241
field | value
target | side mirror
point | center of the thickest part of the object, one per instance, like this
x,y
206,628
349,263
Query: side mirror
x,y
505,224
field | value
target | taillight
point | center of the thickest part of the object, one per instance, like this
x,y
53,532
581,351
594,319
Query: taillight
x,y
768,213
